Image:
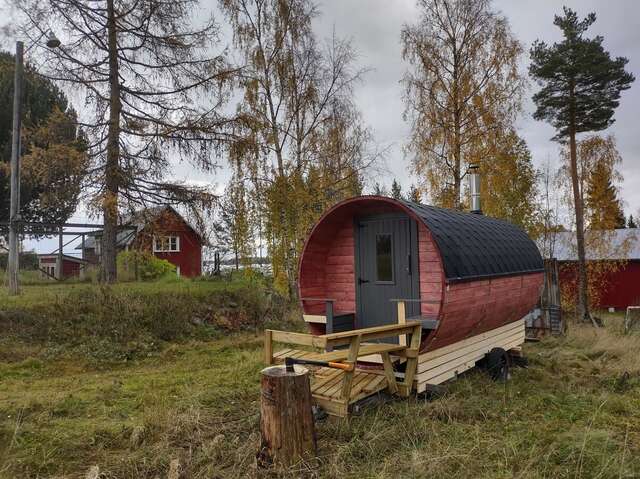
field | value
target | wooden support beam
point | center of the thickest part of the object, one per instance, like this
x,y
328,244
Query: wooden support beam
x,y
388,372
352,359
59,261
412,362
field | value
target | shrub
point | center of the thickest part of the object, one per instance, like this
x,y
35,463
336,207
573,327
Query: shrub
x,y
141,265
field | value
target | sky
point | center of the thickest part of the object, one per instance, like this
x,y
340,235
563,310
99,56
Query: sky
x,y
374,27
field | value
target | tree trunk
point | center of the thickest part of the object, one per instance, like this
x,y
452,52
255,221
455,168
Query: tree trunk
x,y
286,420
112,169
583,297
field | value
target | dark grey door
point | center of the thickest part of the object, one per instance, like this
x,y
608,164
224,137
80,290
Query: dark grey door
x,y
386,268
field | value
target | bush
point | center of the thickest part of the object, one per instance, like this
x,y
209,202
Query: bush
x,y
141,265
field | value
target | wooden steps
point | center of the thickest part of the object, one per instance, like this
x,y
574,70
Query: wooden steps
x,y
336,389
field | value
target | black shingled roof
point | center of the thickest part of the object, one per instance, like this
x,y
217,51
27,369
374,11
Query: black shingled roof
x,y
475,246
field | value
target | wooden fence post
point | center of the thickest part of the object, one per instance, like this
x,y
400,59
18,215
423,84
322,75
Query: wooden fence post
x,y
286,419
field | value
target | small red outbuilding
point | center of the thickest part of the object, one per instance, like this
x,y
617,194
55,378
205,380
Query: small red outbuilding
x,y
619,281
71,267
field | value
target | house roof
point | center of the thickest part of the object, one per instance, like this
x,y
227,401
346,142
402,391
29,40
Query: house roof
x,y
139,219
474,246
64,257
620,244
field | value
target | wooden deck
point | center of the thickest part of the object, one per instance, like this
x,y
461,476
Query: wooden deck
x,y
335,390
326,383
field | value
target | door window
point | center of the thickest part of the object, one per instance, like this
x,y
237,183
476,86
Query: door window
x,y
384,258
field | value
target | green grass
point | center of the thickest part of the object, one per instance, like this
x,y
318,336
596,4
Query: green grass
x,y
51,291
572,414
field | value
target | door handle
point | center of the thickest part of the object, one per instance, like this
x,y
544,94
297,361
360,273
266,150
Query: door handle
x,y
362,281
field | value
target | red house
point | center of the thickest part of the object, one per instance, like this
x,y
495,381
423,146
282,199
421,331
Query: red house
x,y
620,248
71,267
163,232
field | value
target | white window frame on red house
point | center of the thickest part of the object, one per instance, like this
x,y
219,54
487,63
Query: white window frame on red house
x,y
167,244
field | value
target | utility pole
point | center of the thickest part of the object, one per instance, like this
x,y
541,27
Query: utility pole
x,y
13,264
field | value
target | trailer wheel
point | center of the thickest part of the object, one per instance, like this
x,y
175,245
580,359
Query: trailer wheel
x,y
497,363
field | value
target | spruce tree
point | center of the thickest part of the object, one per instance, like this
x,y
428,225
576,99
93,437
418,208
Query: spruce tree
x,y
602,202
631,223
396,190
580,90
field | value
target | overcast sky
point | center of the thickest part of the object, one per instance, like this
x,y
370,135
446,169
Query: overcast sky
x,y
374,27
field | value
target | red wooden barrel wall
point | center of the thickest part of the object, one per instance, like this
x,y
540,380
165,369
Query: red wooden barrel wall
x,y
464,309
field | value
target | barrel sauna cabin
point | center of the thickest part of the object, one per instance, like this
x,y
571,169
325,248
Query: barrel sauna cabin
x,y
470,279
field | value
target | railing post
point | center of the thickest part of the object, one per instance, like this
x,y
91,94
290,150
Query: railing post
x,y
402,319
329,324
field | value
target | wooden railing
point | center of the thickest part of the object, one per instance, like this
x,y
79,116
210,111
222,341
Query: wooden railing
x,y
356,340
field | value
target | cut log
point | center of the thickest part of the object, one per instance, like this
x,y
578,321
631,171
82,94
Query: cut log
x,y
286,419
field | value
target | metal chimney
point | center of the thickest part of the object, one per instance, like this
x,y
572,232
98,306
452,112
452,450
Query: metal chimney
x,y
474,188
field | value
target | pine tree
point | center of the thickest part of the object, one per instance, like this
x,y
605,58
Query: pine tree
x,y
631,223
396,190
233,230
581,87
53,151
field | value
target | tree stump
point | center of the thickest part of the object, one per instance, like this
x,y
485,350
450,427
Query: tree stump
x,y
286,419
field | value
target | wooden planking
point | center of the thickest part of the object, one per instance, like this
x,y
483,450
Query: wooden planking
x,y
339,267
434,353
425,361
431,271
460,367
474,307
473,356
365,350
315,318
374,333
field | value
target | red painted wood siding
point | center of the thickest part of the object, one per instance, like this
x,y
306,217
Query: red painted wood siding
x,y
340,269
431,274
328,269
189,258
69,268
475,307
622,287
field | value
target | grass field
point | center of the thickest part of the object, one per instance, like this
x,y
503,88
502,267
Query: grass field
x,y
575,412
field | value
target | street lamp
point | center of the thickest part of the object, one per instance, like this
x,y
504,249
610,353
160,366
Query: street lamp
x,y
14,212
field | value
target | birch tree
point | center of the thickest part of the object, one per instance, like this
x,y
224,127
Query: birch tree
x,y
462,83
309,145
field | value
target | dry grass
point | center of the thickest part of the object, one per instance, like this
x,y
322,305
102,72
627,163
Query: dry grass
x,y
574,413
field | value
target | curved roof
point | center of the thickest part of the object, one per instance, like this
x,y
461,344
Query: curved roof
x,y
474,246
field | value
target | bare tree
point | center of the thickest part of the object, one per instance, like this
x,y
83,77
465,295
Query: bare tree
x,y
152,94
462,84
